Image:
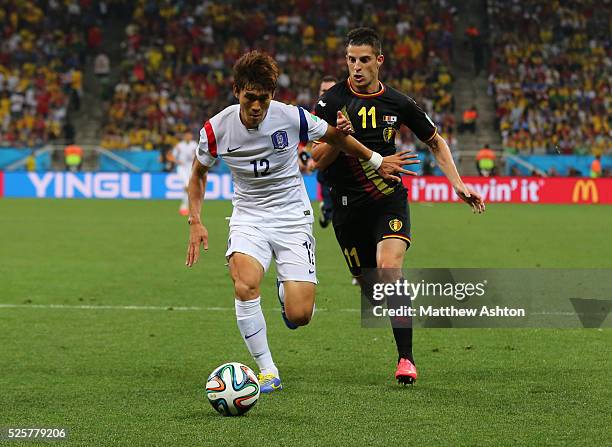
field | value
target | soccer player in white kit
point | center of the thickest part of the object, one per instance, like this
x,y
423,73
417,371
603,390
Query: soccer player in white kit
x,y
183,154
272,215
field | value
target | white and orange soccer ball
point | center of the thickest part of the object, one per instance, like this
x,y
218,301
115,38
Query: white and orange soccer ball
x,y
232,389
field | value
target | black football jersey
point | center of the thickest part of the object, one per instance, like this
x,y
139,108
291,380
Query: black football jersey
x,y
375,119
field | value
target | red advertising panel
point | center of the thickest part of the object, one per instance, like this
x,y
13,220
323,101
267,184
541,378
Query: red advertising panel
x,y
515,189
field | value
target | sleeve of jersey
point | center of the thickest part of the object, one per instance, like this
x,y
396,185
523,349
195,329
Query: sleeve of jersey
x,y
325,110
311,127
206,151
418,121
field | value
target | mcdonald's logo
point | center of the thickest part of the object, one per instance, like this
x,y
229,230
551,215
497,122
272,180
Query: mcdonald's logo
x,y
585,191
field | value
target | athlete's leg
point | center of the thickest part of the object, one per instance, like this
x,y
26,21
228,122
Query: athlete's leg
x,y
299,298
294,249
249,254
393,234
247,273
390,253
184,202
184,173
327,205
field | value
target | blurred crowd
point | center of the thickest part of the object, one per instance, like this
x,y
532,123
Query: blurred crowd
x,y
179,55
551,75
43,48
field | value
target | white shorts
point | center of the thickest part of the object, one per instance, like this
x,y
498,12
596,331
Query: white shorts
x,y
292,247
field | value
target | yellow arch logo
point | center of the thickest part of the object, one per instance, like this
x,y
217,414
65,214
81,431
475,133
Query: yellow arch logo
x,y
585,191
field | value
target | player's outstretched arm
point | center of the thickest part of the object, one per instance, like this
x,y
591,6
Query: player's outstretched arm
x,y
440,150
198,234
387,167
323,155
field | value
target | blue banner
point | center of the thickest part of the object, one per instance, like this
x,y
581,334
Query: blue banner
x,y
560,163
118,185
9,156
149,161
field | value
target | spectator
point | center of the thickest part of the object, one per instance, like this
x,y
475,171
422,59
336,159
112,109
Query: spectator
x,y
73,157
474,39
102,66
550,75
486,161
470,115
30,163
41,55
178,60
94,38
596,167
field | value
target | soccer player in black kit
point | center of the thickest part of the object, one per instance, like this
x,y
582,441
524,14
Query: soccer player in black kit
x,y
371,218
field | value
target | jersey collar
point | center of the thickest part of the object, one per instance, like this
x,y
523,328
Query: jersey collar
x,y
366,95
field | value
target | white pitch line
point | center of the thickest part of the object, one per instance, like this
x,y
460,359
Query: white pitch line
x,y
105,307
108,307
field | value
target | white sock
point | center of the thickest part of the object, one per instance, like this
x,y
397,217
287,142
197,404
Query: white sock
x,y
281,290
252,325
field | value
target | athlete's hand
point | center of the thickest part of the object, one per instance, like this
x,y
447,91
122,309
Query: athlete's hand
x,y
472,198
198,234
394,164
343,124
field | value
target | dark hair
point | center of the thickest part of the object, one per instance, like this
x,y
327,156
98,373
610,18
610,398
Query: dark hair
x,y
256,69
329,78
364,36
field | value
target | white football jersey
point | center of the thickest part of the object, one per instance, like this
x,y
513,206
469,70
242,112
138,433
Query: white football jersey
x,y
268,187
184,152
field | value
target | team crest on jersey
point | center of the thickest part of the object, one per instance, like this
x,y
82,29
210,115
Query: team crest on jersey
x,y
389,134
395,225
390,119
280,140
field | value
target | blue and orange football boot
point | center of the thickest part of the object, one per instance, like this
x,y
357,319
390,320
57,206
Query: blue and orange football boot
x,y
406,372
269,383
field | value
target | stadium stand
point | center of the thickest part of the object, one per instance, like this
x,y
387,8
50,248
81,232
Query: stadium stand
x,y
44,45
551,74
178,59
550,70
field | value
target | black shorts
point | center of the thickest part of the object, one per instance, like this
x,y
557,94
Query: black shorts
x,y
359,230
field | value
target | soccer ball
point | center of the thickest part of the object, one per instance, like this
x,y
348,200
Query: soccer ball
x,y
232,389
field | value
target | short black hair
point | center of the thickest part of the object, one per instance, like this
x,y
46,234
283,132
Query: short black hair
x,y
256,69
329,78
364,36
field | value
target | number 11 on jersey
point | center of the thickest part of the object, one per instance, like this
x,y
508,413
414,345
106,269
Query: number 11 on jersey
x,y
352,254
363,114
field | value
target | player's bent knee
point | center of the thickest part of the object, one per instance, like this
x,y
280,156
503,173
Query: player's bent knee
x,y
300,317
245,290
299,301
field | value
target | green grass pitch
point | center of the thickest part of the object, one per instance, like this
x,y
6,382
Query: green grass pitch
x,y
136,377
